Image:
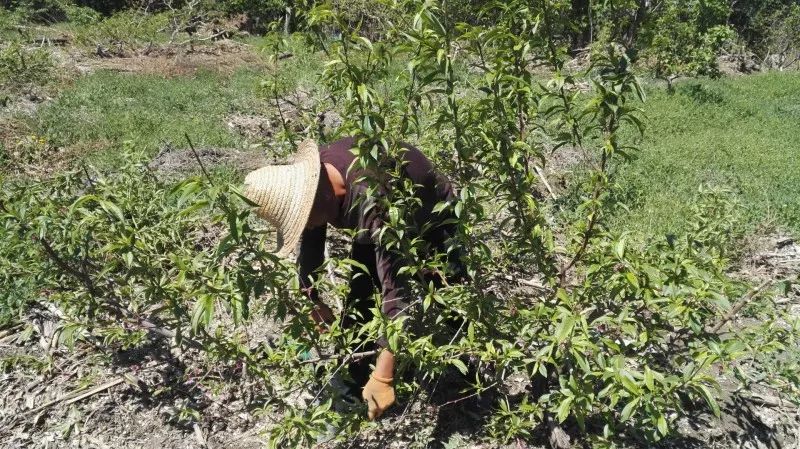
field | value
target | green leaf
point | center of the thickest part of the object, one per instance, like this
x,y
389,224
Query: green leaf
x,y
440,206
629,409
564,328
627,381
663,428
564,408
648,379
460,366
203,311
366,126
366,42
709,398
619,248
632,279
112,209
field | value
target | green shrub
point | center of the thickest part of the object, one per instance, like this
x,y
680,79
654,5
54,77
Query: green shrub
x,y
152,228
8,21
21,285
780,45
265,10
109,7
619,337
686,38
82,15
39,11
21,66
125,31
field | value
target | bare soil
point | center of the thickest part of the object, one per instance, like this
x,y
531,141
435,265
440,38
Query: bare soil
x,y
223,56
177,163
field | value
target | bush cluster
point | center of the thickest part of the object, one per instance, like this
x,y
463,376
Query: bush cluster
x,y
20,65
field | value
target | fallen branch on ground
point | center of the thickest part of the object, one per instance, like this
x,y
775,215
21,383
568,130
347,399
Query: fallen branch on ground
x,y
769,401
200,437
76,396
540,172
10,330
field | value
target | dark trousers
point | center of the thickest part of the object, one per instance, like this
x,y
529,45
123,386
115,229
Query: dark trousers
x,y
359,304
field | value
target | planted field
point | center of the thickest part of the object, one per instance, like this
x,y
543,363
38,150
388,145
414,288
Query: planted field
x,y
617,265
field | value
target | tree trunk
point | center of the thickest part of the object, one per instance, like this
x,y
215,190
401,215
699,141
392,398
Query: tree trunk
x,y
636,24
580,15
287,23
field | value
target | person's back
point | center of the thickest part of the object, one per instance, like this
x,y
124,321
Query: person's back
x,y
430,187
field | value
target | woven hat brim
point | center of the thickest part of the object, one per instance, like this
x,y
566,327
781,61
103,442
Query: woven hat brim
x,y
285,194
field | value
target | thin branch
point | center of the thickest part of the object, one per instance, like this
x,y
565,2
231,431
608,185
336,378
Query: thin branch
x,y
197,157
207,38
584,244
84,278
10,330
590,228
464,398
543,178
740,305
345,358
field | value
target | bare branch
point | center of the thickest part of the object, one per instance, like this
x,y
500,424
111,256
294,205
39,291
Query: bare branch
x,y
740,305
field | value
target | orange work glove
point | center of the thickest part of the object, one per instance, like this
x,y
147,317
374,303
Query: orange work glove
x,y
379,394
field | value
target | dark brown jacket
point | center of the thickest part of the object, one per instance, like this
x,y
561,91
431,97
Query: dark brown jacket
x,y
357,213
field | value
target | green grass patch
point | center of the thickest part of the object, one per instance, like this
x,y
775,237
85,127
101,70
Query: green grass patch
x,y
739,133
148,110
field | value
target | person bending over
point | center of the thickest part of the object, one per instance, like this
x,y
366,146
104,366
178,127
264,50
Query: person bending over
x,y
321,187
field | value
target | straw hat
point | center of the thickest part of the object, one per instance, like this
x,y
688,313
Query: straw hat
x,y
285,194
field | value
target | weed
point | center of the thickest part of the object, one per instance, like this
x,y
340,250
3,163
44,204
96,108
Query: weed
x,y
124,31
21,66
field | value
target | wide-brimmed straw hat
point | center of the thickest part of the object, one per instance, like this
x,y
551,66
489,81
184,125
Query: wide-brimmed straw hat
x,y
285,193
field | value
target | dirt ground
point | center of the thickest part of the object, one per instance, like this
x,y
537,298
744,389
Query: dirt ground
x,y
223,56
174,164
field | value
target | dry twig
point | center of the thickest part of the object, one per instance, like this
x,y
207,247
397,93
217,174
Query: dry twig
x,y
345,358
200,436
542,177
10,331
76,396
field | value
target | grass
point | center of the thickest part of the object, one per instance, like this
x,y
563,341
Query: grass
x,y
148,110
739,133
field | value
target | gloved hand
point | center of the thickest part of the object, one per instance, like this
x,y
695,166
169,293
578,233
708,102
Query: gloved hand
x,y
379,394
